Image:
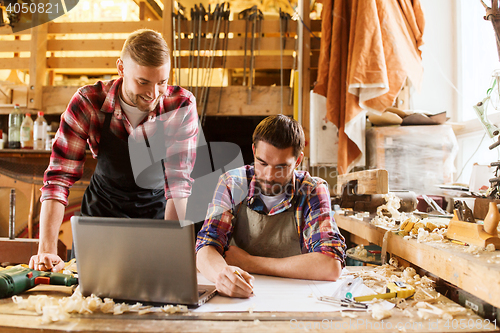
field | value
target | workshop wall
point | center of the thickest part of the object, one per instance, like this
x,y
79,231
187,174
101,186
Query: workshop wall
x,y
439,59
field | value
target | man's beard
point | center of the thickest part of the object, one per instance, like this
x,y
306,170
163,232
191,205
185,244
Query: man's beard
x,y
135,99
271,188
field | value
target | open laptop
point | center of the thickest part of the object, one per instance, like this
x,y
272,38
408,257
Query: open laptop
x,y
143,260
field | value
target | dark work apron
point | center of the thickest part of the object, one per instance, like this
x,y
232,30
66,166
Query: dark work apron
x,y
112,191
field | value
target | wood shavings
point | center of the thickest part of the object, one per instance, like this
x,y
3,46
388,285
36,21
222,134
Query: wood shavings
x,y
108,306
361,215
53,313
146,311
408,313
490,248
120,309
423,314
426,282
473,249
426,236
393,262
402,303
34,302
425,303
360,251
345,314
53,310
391,207
425,310
174,308
409,272
379,313
425,230
393,203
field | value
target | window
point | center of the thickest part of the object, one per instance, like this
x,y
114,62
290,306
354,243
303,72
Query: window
x,y
479,57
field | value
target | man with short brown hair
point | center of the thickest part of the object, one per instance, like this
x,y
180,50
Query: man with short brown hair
x,y
106,116
269,218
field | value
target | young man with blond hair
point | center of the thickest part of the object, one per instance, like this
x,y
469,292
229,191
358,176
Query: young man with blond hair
x,y
269,218
104,116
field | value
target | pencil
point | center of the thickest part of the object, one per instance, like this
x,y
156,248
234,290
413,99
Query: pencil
x,y
239,274
241,277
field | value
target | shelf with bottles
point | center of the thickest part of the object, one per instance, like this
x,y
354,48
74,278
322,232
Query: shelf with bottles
x,y
52,120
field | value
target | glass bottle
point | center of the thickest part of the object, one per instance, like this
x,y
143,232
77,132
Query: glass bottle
x,y
15,120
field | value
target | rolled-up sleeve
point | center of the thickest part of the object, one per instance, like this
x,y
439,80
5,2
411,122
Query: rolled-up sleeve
x,y
320,231
182,136
229,194
68,151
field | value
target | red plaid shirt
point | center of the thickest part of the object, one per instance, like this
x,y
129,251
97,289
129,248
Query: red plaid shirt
x,y
81,124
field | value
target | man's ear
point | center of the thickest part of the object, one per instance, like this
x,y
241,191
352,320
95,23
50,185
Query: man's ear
x,y
299,159
253,149
119,66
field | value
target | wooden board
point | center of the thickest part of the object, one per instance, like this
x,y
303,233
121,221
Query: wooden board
x,y
479,276
14,320
237,26
265,101
20,250
369,181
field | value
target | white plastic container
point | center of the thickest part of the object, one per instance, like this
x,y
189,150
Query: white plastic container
x,y
39,132
27,132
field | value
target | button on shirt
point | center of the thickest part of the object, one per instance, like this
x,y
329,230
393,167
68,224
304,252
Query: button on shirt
x,y
315,224
81,124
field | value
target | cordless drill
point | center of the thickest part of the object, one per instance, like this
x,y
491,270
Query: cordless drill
x,y
18,279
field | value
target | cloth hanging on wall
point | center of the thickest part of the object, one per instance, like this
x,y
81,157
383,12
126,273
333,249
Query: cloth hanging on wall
x,y
368,50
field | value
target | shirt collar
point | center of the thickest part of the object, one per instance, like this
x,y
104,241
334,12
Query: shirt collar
x,y
112,104
253,197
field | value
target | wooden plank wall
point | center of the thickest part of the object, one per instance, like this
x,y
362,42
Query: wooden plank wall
x,y
51,38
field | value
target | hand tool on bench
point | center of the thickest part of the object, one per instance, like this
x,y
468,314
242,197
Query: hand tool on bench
x,y
18,279
345,302
394,289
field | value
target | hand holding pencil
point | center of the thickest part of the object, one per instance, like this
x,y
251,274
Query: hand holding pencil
x,y
250,283
232,281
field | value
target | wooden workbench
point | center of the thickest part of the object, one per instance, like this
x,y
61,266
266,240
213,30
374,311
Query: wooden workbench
x,y
476,274
14,320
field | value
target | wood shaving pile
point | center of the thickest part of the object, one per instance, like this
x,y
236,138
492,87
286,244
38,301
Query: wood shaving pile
x,y
409,224
379,312
426,300
360,251
426,309
390,208
346,314
437,235
53,310
393,203
424,230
